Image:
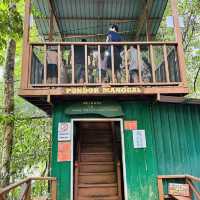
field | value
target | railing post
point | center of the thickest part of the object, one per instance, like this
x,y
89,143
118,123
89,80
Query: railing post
x,y
25,56
86,64
126,63
139,62
53,190
76,182
30,64
152,63
113,64
178,34
27,195
45,64
73,63
119,179
99,62
1,196
166,63
160,189
59,64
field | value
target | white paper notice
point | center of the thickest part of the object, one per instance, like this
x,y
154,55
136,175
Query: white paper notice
x,y
139,139
64,131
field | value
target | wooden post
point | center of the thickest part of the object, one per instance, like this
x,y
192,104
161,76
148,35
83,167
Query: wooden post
x,y
25,53
30,65
139,62
73,67
76,181
160,189
119,180
86,64
51,24
166,63
53,190
112,64
45,64
152,63
126,63
59,64
99,62
179,40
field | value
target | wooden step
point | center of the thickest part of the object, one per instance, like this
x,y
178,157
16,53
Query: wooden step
x,y
96,157
96,167
97,190
97,178
94,140
99,198
95,125
97,149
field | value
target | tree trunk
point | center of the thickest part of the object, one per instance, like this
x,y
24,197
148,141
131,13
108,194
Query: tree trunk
x,y
8,128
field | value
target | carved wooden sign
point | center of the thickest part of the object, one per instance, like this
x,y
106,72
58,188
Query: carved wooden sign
x,y
177,189
102,90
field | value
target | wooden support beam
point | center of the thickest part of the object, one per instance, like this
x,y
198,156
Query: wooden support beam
x,y
25,54
52,11
141,22
51,24
178,34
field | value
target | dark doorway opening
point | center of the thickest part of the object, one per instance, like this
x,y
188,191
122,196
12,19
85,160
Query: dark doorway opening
x,y
98,163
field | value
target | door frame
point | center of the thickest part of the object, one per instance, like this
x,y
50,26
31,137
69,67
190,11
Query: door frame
x,y
120,120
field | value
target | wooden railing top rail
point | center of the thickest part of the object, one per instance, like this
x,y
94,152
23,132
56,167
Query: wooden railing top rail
x,y
193,178
105,43
14,185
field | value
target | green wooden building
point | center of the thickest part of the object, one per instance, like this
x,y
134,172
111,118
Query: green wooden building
x,y
122,128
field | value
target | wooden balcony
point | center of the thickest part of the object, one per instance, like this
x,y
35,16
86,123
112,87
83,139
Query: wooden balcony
x,y
103,69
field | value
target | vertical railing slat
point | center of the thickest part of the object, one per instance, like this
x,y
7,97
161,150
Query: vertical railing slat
x,y
45,64
86,64
30,65
166,63
59,64
160,189
152,63
112,64
139,62
99,62
73,64
126,63
53,190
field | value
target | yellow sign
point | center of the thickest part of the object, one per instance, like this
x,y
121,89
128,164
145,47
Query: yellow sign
x,y
102,90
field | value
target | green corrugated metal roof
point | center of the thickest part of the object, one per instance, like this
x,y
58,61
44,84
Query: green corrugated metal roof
x,y
95,16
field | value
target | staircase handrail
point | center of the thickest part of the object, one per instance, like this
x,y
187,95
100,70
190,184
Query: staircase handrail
x,y
26,191
189,179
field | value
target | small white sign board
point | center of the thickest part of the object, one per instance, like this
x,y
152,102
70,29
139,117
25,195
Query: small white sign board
x,y
139,139
64,131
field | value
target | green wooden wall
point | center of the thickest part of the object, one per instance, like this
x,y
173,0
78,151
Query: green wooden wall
x,y
172,133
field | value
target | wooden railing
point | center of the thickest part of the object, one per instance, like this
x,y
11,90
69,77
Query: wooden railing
x,y
189,180
26,188
98,63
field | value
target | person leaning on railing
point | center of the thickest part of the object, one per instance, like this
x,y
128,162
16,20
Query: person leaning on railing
x,y
114,36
